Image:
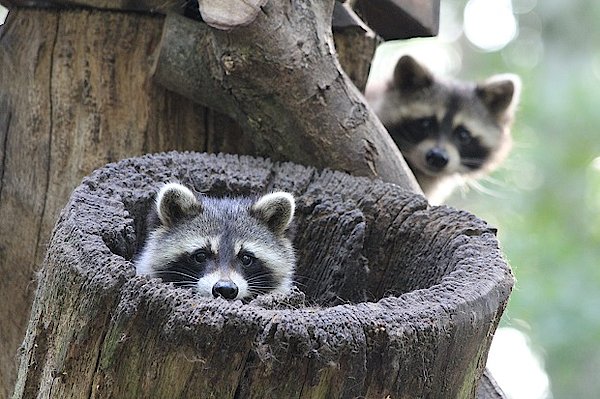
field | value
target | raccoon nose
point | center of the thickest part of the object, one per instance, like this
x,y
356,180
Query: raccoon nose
x,y
437,158
226,289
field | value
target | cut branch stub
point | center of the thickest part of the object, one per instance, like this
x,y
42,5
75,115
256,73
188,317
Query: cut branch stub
x,y
227,14
280,79
397,298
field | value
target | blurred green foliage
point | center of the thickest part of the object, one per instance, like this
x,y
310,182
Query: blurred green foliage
x,y
546,198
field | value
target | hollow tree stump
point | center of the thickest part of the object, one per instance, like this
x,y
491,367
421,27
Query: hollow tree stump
x,y
75,94
396,297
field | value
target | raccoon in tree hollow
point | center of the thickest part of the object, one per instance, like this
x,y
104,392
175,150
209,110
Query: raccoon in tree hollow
x,y
235,248
448,131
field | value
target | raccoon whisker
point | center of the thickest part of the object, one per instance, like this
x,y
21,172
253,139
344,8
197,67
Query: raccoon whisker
x,y
260,288
305,278
264,288
261,284
171,272
482,189
493,181
300,284
188,285
255,293
259,276
478,162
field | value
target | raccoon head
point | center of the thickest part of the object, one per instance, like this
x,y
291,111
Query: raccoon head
x,y
448,127
235,248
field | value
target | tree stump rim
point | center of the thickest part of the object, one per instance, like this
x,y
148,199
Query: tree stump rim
x,y
422,301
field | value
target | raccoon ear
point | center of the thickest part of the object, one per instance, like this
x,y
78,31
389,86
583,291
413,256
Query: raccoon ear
x,y
276,210
175,202
410,76
500,94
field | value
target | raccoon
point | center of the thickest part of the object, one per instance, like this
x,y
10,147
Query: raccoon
x,y
449,131
235,248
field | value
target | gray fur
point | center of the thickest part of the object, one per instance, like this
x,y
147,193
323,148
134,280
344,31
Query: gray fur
x,y
485,110
226,229
275,210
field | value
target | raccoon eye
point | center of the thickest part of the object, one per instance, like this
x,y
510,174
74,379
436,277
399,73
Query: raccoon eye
x,y
200,256
463,135
426,123
246,259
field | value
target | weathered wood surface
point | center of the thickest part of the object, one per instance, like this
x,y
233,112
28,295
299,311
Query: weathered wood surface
x,y
391,19
355,44
400,19
75,93
398,299
284,63
157,6
488,387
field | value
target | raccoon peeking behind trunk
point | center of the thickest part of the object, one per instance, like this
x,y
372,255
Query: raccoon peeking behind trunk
x,y
448,131
235,248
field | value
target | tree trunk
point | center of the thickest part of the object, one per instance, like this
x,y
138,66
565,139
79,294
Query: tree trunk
x,y
398,298
75,93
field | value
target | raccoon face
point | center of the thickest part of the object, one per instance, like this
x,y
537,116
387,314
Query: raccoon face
x,y
435,146
232,248
444,127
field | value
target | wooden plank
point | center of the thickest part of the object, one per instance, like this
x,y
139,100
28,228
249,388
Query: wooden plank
x,y
157,6
391,19
400,19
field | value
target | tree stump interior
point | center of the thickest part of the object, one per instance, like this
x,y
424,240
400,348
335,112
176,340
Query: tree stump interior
x,y
394,297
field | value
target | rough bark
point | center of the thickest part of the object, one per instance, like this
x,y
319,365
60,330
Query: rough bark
x,y
283,63
75,93
355,44
398,298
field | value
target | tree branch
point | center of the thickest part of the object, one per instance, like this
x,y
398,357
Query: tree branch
x,y
280,79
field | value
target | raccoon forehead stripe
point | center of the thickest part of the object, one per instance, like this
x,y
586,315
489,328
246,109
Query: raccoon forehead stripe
x,y
214,242
192,243
273,259
488,134
185,245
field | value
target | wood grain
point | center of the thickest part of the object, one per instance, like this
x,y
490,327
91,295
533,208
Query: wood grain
x,y
75,94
